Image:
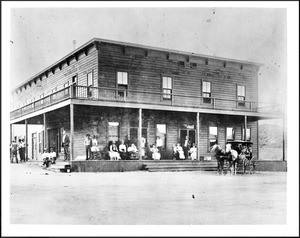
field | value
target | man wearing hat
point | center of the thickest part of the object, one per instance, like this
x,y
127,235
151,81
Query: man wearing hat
x,y
88,146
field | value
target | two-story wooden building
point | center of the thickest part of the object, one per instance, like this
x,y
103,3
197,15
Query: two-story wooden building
x,y
118,90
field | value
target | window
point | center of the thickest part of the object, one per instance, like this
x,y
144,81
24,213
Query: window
x,y
230,133
54,93
241,95
42,96
248,134
32,102
167,88
74,83
206,92
122,81
213,136
66,87
113,131
90,84
161,135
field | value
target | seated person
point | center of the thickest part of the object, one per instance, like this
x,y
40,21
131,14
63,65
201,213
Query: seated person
x,y
94,149
123,150
52,156
113,151
193,152
179,154
46,158
133,151
155,153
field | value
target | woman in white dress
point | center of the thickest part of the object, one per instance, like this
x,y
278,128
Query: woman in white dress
x,y
193,152
113,152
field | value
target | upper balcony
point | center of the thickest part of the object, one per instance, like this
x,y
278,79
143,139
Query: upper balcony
x,y
167,100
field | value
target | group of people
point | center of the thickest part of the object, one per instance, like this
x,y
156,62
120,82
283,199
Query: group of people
x,y
91,147
123,151
181,154
16,147
49,157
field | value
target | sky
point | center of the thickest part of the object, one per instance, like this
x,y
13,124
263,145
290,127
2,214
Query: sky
x,y
41,36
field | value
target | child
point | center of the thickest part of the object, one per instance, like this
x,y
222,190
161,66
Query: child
x,y
52,156
46,158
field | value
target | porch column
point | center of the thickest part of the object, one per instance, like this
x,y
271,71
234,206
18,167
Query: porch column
x,y
198,136
283,138
140,133
245,129
45,131
26,140
72,132
10,133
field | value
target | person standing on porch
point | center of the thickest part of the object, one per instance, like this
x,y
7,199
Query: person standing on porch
x,y
14,151
193,152
159,143
88,145
23,145
65,144
186,147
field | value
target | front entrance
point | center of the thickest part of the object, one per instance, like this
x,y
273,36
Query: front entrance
x,y
34,146
191,133
53,140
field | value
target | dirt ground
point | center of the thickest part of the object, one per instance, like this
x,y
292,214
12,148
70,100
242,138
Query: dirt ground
x,y
169,198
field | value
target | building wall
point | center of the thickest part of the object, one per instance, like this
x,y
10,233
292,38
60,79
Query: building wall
x,y
84,65
94,120
146,72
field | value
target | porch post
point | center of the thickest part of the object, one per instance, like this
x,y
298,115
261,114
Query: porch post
x,y
26,140
10,133
198,136
72,131
283,138
140,133
245,129
45,131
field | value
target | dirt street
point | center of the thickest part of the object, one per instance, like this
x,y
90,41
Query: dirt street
x,y
170,198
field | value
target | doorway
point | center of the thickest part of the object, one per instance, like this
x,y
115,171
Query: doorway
x,y
53,139
191,133
34,146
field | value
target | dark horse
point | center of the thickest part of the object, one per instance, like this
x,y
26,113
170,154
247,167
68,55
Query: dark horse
x,y
229,155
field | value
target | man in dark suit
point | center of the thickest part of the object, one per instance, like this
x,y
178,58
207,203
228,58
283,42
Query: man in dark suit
x,y
66,144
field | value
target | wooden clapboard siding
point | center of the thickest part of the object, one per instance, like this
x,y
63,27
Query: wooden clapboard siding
x,y
60,77
146,72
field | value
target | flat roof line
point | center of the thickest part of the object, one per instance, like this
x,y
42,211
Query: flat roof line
x,y
132,45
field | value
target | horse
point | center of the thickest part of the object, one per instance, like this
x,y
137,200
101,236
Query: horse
x,y
221,156
235,158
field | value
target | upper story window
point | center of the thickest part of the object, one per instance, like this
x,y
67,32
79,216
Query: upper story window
x,y
54,93
66,87
90,84
122,82
206,91
167,87
32,102
42,96
241,95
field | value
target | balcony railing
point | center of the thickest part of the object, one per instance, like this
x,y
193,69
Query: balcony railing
x,y
144,97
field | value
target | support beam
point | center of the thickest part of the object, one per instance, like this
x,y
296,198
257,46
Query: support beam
x,y
26,140
283,138
71,132
11,125
245,129
198,136
140,133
